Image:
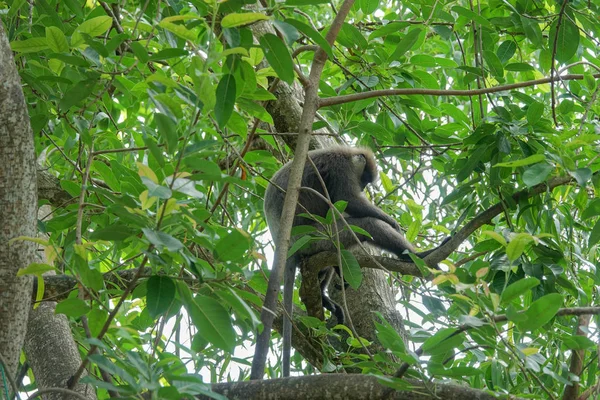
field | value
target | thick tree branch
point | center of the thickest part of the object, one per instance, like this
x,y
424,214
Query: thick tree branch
x,y
344,386
348,98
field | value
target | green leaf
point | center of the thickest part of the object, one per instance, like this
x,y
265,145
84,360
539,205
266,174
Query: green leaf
x,y
442,341
114,233
536,158
506,50
351,269
581,175
73,308
592,210
536,174
567,39
238,19
77,93
167,130
35,269
517,244
93,27
225,99
179,30
532,30
540,312
30,45
312,34
406,43
471,16
56,40
234,246
278,56
160,295
594,235
168,53
140,51
535,111
518,288
493,63
210,318
305,2
161,239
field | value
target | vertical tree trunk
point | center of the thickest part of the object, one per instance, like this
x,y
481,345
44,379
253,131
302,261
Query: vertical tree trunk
x,y
18,206
49,342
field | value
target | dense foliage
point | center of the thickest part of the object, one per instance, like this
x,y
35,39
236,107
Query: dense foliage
x,y
149,113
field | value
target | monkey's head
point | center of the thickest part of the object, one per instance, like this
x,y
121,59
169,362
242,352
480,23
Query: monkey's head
x,y
365,166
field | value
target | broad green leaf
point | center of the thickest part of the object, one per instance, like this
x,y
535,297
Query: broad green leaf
x,y
167,130
114,232
518,288
161,239
238,19
30,45
140,51
93,27
406,43
517,244
73,307
234,246
442,341
167,54
536,158
541,312
519,67
535,111
160,295
493,63
581,175
56,40
537,174
278,56
311,34
225,99
506,50
567,39
210,318
594,235
532,30
576,342
592,210
35,269
77,93
471,16
179,30
351,269
305,2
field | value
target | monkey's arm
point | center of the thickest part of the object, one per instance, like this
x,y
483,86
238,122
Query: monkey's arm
x,y
361,207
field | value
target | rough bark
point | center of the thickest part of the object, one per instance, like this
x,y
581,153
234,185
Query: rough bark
x,y
18,206
347,387
48,343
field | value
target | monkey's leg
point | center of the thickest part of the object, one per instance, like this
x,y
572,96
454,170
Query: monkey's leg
x,y
325,275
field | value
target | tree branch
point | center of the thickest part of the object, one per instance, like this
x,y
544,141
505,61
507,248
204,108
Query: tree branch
x,y
332,101
344,386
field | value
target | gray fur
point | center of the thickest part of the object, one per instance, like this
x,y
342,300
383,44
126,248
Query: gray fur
x,y
345,171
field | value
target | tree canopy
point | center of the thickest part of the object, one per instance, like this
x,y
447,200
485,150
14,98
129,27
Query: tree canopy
x,y
158,126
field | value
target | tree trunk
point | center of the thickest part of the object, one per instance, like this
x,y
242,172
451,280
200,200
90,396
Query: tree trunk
x,y
48,343
18,206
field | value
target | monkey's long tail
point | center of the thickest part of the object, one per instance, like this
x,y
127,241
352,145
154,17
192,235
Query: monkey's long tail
x,y
289,277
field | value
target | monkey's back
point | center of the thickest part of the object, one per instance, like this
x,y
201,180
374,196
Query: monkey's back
x,y
336,169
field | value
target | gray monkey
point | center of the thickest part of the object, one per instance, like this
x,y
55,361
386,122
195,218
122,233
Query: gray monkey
x,y
345,172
